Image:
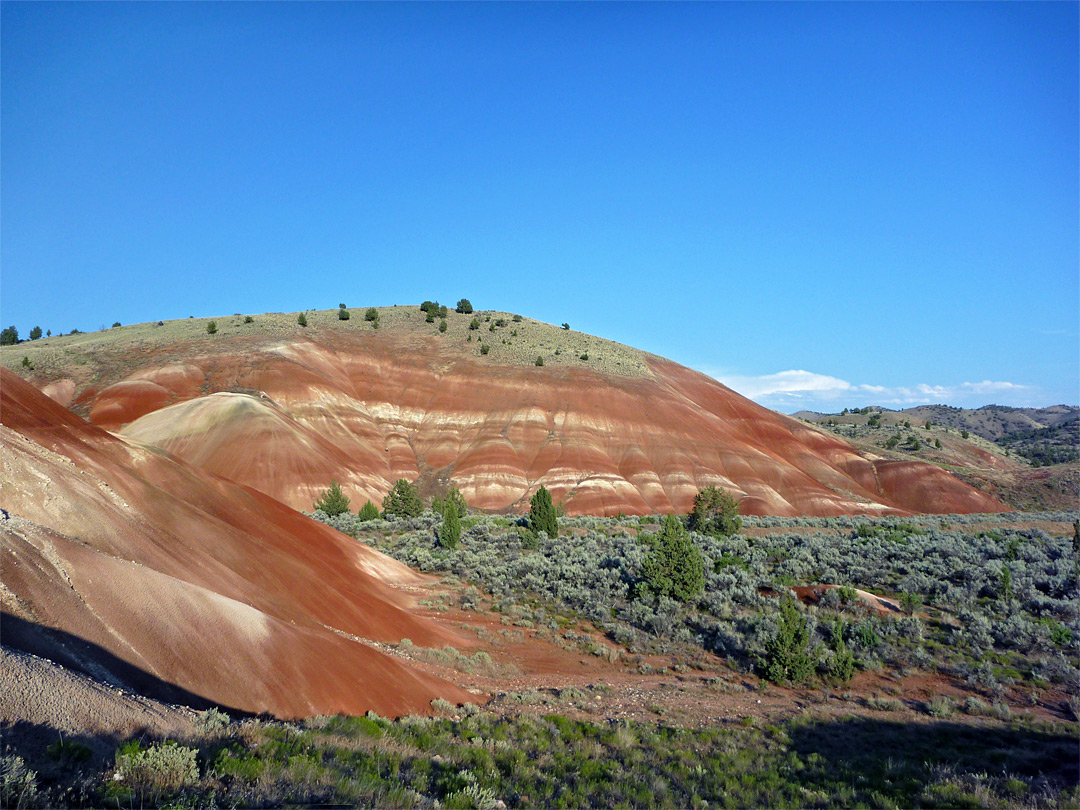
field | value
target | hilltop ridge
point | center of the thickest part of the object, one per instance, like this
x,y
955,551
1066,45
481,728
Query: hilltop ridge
x,y
606,428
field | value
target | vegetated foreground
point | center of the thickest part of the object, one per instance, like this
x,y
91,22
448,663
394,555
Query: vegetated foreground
x,y
958,688
285,409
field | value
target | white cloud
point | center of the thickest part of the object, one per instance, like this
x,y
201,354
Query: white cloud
x,y
798,388
794,383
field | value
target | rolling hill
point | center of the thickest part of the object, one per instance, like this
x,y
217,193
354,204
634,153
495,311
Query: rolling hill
x,y
285,409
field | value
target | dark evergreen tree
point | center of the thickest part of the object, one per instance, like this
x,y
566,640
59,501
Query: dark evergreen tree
x,y
453,499
403,500
302,319
343,314
450,531
464,306
35,333
9,336
211,328
368,511
715,512
788,655
333,501
675,568
542,514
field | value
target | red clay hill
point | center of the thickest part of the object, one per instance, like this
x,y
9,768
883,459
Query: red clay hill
x,y
148,572
284,410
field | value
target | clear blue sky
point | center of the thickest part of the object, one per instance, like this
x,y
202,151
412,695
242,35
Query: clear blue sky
x,y
824,205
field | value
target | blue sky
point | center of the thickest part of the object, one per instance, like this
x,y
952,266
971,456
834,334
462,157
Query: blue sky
x,y
823,205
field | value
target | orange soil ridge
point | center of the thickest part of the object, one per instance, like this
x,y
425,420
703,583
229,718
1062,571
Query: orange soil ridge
x,y
367,408
203,584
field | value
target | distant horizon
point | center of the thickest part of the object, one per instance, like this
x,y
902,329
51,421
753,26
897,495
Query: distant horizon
x,y
818,204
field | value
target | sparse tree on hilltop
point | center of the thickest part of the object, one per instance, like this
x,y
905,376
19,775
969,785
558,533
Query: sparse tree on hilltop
x,y
35,333
9,336
343,314
464,306
333,501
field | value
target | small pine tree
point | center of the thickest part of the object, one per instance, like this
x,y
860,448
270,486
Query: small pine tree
x,y
453,500
343,314
788,655
442,325
302,319
35,333
403,500
450,531
675,568
485,349
715,512
368,511
542,514
211,328
474,324
333,501
539,360
464,306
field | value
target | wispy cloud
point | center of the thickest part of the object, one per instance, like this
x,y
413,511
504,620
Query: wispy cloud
x,y
797,388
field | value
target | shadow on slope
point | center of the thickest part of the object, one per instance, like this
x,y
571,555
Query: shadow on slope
x,y
946,764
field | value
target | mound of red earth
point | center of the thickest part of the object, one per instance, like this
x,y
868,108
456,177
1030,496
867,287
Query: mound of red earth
x,y
145,571
366,408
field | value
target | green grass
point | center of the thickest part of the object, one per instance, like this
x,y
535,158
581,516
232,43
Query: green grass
x,y
555,761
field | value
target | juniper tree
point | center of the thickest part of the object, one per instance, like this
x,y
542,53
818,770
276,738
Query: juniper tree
x,y
403,500
675,568
715,512
542,515
333,501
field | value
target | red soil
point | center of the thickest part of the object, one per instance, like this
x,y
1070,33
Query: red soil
x,y
209,586
367,408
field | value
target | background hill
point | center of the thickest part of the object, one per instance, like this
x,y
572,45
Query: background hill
x,y
1027,457
494,403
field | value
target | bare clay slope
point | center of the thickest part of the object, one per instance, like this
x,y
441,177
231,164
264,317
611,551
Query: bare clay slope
x,y
342,401
199,583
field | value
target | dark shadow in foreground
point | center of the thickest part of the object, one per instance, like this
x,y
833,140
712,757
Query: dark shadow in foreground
x,y
944,762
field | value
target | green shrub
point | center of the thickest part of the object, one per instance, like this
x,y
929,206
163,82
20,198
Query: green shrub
x,y
301,319
343,314
485,348
715,512
585,356
26,363
542,515
18,784
211,327
368,511
675,568
474,324
403,500
442,325
516,319
450,531
248,319
539,360
371,314
566,326
788,655
453,499
332,501
157,770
